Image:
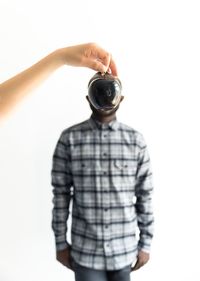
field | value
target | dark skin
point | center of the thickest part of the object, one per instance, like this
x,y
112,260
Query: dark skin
x,y
64,256
104,116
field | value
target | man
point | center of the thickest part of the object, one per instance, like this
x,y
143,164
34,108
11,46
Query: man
x,y
104,166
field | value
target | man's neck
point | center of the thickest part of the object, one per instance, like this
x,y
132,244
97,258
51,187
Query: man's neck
x,y
104,119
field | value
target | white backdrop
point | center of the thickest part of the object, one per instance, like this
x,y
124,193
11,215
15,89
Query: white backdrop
x,y
156,47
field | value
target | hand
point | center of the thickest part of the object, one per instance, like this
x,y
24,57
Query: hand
x,y
89,55
64,257
142,259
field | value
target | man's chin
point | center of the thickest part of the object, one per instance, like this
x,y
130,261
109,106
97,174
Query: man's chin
x,y
105,112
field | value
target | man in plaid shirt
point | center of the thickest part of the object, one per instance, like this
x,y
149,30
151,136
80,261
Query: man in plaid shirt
x,y
104,167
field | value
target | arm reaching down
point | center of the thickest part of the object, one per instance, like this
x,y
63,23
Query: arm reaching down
x,y
144,209
85,55
62,183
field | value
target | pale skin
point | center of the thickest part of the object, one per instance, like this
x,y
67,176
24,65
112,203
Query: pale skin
x,y
64,256
84,55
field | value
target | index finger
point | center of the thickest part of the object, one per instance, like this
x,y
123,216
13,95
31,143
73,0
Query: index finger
x,y
107,60
113,67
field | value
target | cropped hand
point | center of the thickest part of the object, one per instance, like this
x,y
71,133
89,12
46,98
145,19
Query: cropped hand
x,y
64,257
142,259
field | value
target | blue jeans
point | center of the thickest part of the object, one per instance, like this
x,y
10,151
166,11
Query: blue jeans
x,y
88,274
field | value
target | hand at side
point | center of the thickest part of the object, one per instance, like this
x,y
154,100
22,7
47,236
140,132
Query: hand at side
x,y
142,259
64,257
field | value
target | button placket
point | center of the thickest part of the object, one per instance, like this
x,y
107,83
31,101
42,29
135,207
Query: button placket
x,y
105,187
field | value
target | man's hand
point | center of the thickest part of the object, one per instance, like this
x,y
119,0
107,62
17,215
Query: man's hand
x,y
142,259
64,257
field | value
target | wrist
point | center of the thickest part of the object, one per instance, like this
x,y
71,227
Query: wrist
x,y
63,56
57,58
62,246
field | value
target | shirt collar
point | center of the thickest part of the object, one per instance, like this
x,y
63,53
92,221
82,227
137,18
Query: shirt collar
x,y
95,124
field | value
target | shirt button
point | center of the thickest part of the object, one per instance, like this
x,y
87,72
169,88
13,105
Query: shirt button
x,y
105,154
105,172
105,135
106,210
106,226
107,245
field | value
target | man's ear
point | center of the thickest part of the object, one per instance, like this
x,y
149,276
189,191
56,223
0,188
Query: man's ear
x,y
121,99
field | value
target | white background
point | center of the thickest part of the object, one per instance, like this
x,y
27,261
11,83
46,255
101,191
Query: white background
x,y
156,47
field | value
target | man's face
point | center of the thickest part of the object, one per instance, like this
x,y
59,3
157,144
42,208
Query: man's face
x,y
102,113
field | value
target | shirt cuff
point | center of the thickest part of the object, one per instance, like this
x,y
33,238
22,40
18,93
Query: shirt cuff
x,y
144,247
62,246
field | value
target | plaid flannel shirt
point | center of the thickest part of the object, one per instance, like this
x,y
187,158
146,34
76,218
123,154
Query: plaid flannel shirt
x,y
105,170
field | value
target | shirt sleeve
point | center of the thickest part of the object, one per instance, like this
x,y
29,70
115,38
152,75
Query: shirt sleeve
x,y
62,183
143,192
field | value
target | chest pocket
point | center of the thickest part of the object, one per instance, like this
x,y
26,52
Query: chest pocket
x,y
125,167
123,180
82,167
83,159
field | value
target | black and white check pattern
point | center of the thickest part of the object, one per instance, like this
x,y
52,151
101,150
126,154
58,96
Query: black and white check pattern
x,y
105,170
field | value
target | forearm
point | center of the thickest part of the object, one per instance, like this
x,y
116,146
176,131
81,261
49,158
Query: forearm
x,y
14,89
144,191
60,215
145,220
62,184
